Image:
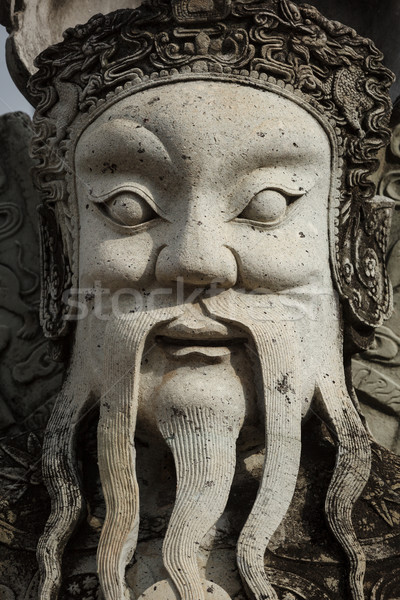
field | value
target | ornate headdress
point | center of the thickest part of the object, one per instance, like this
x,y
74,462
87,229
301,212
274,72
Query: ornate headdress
x,y
272,44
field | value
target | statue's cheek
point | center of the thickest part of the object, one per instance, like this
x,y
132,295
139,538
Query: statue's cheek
x,y
122,262
281,259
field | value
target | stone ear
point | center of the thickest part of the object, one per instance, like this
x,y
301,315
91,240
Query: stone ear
x,y
55,275
363,275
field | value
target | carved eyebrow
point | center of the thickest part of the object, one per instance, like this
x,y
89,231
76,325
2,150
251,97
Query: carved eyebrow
x,y
292,181
123,133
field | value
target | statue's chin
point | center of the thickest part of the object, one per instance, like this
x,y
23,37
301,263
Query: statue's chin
x,y
178,374
199,407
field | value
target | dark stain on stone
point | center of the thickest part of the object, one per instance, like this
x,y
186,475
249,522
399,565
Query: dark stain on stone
x,y
283,386
178,412
111,167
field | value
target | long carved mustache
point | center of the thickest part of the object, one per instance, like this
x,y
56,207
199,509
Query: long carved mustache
x,y
125,339
279,352
60,471
203,443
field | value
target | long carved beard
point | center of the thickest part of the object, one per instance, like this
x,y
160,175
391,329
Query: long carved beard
x,y
334,406
203,445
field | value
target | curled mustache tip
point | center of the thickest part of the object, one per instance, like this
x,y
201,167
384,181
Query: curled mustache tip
x,y
351,473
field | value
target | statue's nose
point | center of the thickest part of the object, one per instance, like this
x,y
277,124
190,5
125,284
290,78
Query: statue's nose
x,y
197,256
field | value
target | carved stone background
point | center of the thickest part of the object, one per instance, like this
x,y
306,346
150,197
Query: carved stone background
x,y
28,377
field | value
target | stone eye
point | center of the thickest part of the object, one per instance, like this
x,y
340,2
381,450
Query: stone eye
x,y
268,206
129,209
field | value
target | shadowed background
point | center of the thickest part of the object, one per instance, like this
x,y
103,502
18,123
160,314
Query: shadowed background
x,y
10,98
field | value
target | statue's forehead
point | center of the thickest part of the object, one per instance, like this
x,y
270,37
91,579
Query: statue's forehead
x,y
224,111
209,131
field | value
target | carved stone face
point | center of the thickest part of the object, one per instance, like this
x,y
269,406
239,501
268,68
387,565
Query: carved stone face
x,y
204,182
200,184
203,212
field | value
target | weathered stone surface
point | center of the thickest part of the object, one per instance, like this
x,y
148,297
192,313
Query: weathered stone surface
x,y
31,33
213,252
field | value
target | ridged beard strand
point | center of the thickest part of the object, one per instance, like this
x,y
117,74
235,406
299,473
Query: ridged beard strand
x,y
124,342
351,473
60,475
203,443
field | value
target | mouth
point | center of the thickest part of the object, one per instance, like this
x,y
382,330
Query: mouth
x,y
196,334
179,346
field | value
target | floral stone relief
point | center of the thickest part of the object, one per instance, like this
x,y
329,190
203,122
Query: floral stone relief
x,y
213,252
376,371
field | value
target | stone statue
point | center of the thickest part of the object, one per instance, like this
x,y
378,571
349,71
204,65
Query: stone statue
x,y
213,253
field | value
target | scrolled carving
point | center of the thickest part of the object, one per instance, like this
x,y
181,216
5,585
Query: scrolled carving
x,y
20,334
219,47
375,372
293,587
10,219
370,284
387,587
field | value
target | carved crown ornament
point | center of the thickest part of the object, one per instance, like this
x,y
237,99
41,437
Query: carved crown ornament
x,y
276,45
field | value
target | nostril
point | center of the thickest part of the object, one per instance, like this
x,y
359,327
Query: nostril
x,y
238,263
